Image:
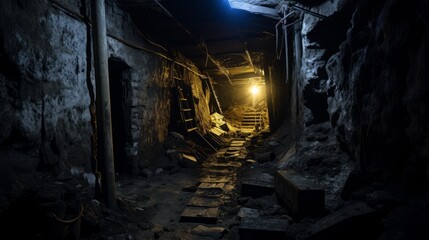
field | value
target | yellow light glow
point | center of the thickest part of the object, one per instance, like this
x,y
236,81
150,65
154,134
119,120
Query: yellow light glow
x,y
254,90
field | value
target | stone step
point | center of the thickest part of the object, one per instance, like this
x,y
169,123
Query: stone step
x,y
237,144
223,165
217,179
253,113
207,215
205,185
210,233
248,124
233,149
204,202
219,172
209,193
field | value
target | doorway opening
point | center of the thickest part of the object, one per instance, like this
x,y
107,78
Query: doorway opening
x,y
117,69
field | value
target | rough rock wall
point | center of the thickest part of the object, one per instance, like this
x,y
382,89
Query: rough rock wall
x,y
365,70
44,101
379,98
320,39
47,110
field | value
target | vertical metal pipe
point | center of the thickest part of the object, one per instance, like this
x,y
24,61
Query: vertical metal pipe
x,y
104,122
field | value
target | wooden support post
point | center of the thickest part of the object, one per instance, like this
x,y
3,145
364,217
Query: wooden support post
x,y
104,122
268,86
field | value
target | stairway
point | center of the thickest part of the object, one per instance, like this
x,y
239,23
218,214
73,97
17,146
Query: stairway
x,y
251,121
218,178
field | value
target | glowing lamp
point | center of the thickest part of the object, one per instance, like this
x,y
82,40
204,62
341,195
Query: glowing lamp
x,y
254,90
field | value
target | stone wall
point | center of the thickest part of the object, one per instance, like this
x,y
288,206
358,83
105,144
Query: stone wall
x,y
47,100
45,97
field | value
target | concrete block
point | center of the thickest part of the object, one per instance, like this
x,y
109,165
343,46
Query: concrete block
x,y
301,195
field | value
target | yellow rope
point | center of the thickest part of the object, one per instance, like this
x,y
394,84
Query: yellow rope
x,y
68,221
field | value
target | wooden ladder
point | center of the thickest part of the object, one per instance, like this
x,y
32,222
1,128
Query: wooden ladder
x,y
187,116
186,105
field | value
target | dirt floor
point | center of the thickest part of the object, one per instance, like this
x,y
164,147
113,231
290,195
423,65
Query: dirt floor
x,y
150,206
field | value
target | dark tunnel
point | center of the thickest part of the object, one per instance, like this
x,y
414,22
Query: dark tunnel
x,y
214,119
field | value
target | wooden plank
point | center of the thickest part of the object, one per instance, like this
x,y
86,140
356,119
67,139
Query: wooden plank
x,y
236,145
234,149
226,165
200,215
203,202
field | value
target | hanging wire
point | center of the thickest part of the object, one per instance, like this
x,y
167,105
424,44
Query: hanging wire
x,y
284,38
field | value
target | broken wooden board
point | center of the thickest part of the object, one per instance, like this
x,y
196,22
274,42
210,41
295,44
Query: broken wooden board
x,y
200,215
187,161
262,228
258,186
203,202
301,195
